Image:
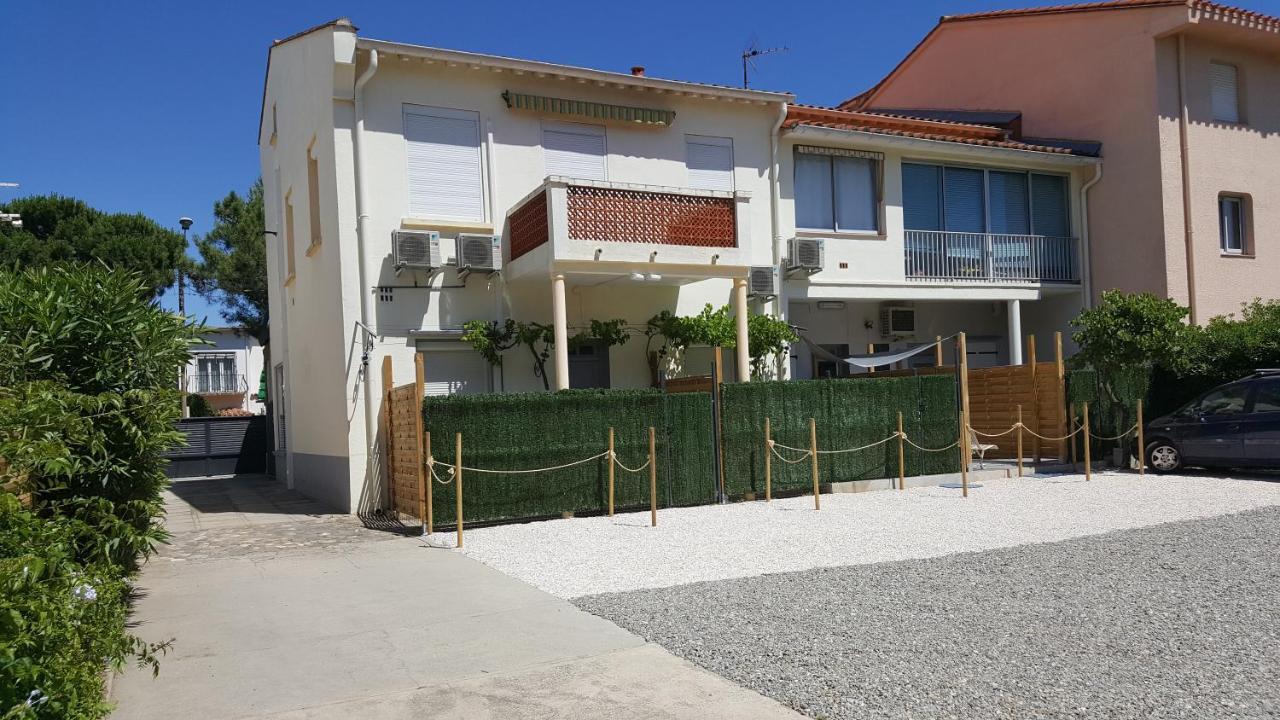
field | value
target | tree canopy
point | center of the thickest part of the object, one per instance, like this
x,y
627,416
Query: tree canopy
x,y
57,229
233,261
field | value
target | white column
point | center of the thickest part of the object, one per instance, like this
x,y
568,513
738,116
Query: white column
x,y
1015,332
560,323
740,310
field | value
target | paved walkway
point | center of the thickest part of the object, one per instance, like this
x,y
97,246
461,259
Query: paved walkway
x,y
280,610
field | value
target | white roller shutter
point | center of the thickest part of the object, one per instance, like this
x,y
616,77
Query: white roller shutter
x,y
455,372
710,162
576,151
443,157
1225,92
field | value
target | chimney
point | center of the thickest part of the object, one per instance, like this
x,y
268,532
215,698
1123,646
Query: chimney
x,y
637,70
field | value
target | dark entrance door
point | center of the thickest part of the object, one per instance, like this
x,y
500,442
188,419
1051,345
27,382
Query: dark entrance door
x,y
220,446
589,365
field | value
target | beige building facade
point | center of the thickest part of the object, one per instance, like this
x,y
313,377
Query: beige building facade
x,y
1184,96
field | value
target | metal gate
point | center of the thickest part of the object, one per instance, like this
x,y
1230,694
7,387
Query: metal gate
x,y
220,446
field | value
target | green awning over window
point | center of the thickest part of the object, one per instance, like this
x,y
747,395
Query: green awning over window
x,y
585,109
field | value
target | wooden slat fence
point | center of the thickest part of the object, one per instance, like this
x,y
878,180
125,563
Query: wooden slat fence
x,y
402,420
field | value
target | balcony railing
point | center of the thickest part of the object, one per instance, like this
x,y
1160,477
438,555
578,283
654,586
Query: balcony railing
x,y
983,257
606,212
216,384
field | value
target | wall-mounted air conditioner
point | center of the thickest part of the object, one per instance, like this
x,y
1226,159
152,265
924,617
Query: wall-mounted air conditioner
x,y
479,253
762,282
897,320
804,255
416,249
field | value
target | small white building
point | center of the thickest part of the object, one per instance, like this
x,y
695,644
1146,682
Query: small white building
x,y
227,372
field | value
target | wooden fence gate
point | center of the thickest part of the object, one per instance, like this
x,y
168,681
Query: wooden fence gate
x,y
402,433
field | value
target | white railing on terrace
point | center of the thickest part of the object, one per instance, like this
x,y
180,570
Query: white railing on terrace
x,y
984,257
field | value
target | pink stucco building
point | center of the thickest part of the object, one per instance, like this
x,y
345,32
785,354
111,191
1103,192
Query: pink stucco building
x,y
1184,96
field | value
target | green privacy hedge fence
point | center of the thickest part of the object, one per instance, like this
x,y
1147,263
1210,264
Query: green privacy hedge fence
x,y
848,413
536,430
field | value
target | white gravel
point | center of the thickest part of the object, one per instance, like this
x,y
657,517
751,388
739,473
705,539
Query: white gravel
x,y
587,556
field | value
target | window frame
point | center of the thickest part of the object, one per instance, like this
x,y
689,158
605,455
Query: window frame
x,y
313,199
986,196
575,128
709,140
482,154
878,183
1239,118
1243,230
290,262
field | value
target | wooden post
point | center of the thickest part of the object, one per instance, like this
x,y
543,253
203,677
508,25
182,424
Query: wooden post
x,y
871,350
388,434
768,462
426,450
1060,396
1088,467
1035,397
902,461
653,479
813,458
457,487
1019,441
1071,413
964,457
1142,446
718,397
962,351
937,351
610,472
424,478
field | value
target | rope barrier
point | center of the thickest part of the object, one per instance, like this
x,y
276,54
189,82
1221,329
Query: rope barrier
x,y
856,449
800,459
618,462
1116,437
431,465
952,446
1053,439
979,433
530,471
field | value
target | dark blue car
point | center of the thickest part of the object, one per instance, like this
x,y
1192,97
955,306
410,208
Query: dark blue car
x,y
1232,425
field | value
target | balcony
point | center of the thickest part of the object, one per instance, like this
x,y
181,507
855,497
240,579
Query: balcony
x,y
590,224
987,258
216,384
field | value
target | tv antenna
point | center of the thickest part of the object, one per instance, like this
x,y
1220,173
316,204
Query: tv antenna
x,y
751,53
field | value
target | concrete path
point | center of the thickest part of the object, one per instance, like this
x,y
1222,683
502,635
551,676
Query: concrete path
x,y
281,611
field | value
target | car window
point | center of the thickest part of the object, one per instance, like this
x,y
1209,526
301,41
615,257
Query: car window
x,y
1267,397
1226,401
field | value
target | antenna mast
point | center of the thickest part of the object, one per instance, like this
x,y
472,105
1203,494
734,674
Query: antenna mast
x,y
751,53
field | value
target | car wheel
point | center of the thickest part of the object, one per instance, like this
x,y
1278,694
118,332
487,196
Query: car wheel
x,y
1163,456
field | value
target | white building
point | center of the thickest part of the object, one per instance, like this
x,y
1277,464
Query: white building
x,y
928,227
599,195
227,371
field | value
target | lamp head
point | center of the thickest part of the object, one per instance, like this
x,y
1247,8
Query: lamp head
x,y
185,222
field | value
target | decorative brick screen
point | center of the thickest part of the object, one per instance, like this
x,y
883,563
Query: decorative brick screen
x,y
606,214
528,225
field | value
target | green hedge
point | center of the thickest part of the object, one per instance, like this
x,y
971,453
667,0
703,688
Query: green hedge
x,y
534,430
848,413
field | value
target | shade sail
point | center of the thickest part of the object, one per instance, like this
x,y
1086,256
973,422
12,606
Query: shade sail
x,y
869,360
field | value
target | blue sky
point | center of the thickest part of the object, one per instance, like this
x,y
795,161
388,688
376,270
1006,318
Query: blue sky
x,y
153,107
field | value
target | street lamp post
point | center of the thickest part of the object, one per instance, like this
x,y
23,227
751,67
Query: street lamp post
x,y
185,222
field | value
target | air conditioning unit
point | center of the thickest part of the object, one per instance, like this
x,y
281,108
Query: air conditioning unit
x,y
417,249
762,282
804,255
479,253
897,320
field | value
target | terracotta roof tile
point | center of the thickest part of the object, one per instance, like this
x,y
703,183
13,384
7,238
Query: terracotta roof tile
x,y
1204,5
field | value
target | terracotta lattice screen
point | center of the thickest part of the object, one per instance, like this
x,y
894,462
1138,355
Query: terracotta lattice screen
x,y
528,225
610,214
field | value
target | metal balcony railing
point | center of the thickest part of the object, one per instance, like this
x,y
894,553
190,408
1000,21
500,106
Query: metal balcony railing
x,y
216,384
985,257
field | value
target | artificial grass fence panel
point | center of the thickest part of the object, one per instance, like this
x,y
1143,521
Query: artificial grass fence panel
x,y
849,413
540,430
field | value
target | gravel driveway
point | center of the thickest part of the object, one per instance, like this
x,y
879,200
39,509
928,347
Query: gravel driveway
x,y
1180,620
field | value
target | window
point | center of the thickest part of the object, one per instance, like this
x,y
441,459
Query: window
x,y
1224,92
710,162
313,196
216,373
837,190
575,150
1266,397
288,235
973,200
1232,227
442,149
1227,401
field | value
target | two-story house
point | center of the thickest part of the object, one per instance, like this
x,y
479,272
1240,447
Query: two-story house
x,y
903,229
1183,94
226,371
411,190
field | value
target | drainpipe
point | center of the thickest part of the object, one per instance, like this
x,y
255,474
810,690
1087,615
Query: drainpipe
x,y
775,235
362,220
1185,155
1086,251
